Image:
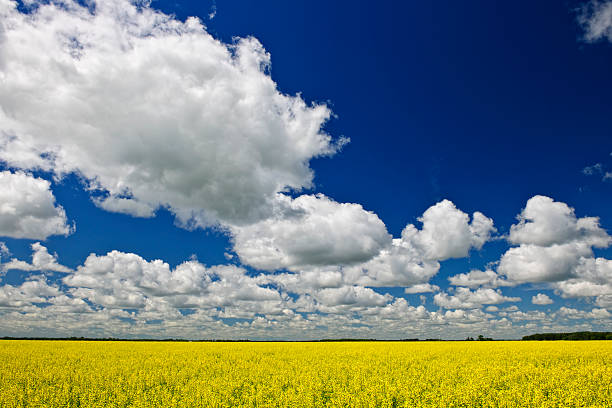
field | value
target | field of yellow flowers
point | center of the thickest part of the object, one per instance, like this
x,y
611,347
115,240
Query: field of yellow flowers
x,y
334,374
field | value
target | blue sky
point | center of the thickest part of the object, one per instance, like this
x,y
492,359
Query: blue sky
x,y
299,170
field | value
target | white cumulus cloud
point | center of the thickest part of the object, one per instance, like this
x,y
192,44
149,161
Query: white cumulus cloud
x,y
552,241
553,247
476,278
413,259
31,291
464,298
448,232
541,299
27,207
545,222
126,280
152,111
311,231
42,260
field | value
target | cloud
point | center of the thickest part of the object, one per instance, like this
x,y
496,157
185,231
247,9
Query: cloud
x,y
28,209
353,296
597,168
42,260
464,298
414,258
4,251
36,290
421,288
152,111
592,277
311,231
552,241
533,263
448,232
476,278
545,222
126,280
541,299
572,313
554,247
595,18
400,264
605,301
125,206
327,243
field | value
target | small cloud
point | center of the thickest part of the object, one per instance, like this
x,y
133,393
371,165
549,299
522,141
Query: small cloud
x,y
421,288
594,169
4,251
595,18
42,260
541,299
213,11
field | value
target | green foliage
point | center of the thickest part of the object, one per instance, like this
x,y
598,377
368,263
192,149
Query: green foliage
x,y
570,336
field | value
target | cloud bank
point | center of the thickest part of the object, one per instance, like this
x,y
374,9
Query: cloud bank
x,y
123,294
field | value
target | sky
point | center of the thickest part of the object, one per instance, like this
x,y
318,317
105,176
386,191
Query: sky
x,y
305,170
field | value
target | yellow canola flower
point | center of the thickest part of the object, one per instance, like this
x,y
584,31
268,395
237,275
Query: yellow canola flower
x,y
335,374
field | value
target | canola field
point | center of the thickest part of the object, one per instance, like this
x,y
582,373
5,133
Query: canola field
x,y
334,374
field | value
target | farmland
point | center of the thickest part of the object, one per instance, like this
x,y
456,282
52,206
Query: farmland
x,y
336,374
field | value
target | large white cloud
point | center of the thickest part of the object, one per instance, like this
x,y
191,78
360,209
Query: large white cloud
x,y
151,111
448,232
311,231
545,222
554,245
27,207
533,263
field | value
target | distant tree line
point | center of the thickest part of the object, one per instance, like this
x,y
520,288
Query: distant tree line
x,y
480,338
586,335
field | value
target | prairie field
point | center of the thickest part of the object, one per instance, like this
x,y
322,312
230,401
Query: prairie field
x,y
327,374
